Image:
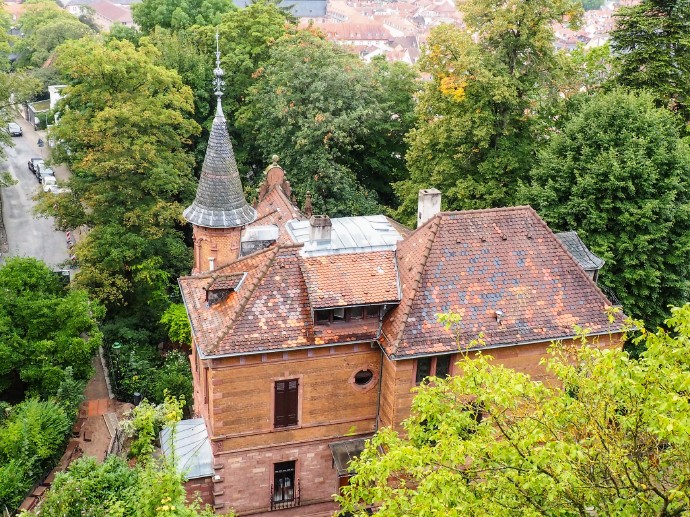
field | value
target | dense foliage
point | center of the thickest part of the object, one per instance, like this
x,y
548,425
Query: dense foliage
x,y
45,26
651,43
618,174
178,14
612,437
115,488
481,114
336,123
47,332
32,438
139,368
151,488
130,182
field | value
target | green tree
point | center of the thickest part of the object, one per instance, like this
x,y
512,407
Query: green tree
x,y
32,438
246,36
618,174
124,129
611,437
115,488
45,26
651,44
589,5
480,115
179,14
330,118
47,334
176,322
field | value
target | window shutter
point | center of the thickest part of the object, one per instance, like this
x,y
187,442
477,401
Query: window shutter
x,y
291,402
286,398
280,408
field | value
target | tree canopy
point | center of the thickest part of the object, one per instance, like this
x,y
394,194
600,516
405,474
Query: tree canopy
x,y
610,437
32,436
618,174
178,14
125,125
45,26
115,488
651,44
479,115
332,120
44,330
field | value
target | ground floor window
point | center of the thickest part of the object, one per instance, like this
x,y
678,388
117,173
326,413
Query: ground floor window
x,y
285,488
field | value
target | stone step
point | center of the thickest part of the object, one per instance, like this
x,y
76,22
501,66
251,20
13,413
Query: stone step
x,y
111,423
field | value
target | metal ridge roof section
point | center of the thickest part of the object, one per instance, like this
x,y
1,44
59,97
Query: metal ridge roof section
x,y
580,252
348,235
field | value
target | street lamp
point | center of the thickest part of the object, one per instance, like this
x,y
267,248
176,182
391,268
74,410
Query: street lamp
x,y
115,348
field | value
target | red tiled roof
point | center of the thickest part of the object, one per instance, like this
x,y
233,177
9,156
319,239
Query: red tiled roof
x,y
351,279
474,263
270,312
276,208
230,281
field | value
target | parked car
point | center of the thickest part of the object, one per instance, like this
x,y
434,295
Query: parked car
x,y
14,129
34,163
50,185
43,171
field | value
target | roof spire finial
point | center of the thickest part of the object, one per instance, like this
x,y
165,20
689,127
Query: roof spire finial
x,y
218,82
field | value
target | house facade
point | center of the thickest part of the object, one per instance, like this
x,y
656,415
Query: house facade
x,y
309,333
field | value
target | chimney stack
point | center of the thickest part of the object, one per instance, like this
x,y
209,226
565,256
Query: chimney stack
x,y
429,204
320,228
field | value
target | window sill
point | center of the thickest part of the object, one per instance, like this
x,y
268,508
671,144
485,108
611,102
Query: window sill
x,y
286,428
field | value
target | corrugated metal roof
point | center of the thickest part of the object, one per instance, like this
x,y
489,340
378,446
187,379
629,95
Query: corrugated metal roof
x,y
190,447
348,235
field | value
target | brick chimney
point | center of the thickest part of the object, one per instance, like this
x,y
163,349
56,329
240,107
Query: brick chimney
x,y
320,228
429,204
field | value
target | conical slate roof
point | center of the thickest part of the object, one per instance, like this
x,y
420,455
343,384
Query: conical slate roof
x,y
219,199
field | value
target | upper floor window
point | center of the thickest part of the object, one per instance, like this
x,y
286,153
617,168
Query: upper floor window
x,y
439,366
286,402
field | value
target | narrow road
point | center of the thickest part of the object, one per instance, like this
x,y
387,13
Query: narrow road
x,y
28,235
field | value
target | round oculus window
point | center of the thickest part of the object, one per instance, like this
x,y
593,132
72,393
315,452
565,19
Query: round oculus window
x,y
363,377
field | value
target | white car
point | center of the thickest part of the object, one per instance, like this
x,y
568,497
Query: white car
x,y
50,185
14,129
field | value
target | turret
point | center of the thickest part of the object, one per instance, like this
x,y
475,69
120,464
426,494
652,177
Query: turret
x,y
219,211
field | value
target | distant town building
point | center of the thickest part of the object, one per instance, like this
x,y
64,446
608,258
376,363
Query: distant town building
x,y
298,8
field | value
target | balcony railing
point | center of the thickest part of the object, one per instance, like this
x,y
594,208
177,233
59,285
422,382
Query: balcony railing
x,y
287,497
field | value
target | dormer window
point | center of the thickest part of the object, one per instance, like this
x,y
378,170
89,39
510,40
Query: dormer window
x,y
322,317
221,287
344,314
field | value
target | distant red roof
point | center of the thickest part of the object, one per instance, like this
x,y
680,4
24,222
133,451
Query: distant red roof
x,y
112,12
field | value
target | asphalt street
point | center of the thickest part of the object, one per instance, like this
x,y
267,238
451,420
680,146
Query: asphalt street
x,y
28,235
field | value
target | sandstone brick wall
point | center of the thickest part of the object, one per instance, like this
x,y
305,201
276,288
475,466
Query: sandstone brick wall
x,y
201,488
247,478
223,244
242,393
